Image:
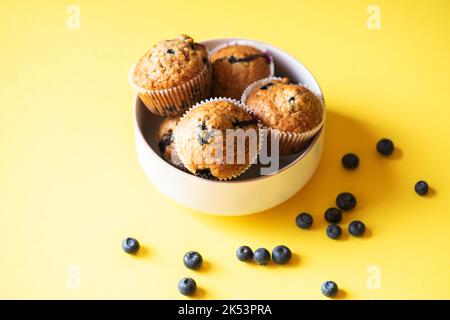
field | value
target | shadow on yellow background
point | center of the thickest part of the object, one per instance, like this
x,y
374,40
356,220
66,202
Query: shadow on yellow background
x,y
371,182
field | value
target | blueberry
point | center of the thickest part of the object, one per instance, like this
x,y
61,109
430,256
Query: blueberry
x,y
244,123
292,101
356,228
281,255
205,174
385,147
329,289
266,86
193,260
346,201
261,256
202,133
187,286
170,51
166,140
333,215
232,60
130,245
244,253
421,188
304,220
350,161
334,231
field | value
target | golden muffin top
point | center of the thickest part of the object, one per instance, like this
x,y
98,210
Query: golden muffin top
x,y
201,137
285,106
236,67
170,63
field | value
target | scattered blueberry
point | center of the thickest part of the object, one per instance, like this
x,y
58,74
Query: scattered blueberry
x,y
421,188
356,228
130,245
304,220
346,201
334,231
170,51
281,255
193,260
329,289
333,215
385,147
350,161
244,253
261,256
187,286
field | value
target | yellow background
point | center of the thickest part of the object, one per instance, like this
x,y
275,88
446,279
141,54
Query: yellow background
x,y
71,188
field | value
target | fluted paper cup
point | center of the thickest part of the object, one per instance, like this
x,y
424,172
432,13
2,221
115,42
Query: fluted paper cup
x,y
289,142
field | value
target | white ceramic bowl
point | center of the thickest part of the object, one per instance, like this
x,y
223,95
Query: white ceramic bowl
x,y
251,192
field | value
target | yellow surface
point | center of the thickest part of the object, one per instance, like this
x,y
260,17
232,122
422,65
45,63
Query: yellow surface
x,y
71,187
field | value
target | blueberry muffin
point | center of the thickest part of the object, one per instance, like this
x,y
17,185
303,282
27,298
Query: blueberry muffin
x,y
206,143
173,75
237,66
166,141
292,111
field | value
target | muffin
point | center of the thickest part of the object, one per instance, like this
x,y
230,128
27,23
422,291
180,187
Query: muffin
x,y
206,142
172,76
237,66
290,111
166,141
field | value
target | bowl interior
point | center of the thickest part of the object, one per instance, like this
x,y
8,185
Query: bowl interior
x,y
285,66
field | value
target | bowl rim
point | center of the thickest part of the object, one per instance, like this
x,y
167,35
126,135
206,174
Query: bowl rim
x,y
137,100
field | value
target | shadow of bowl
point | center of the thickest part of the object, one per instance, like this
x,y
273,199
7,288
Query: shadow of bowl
x,y
368,183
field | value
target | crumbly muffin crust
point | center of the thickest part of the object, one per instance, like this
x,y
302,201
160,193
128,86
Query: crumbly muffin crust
x,y
204,128
237,66
170,63
166,141
285,106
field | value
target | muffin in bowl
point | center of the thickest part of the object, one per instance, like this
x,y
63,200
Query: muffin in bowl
x,y
289,111
172,76
236,66
166,141
217,139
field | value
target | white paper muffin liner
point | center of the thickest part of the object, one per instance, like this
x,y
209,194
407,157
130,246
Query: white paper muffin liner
x,y
175,100
289,142
255,156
